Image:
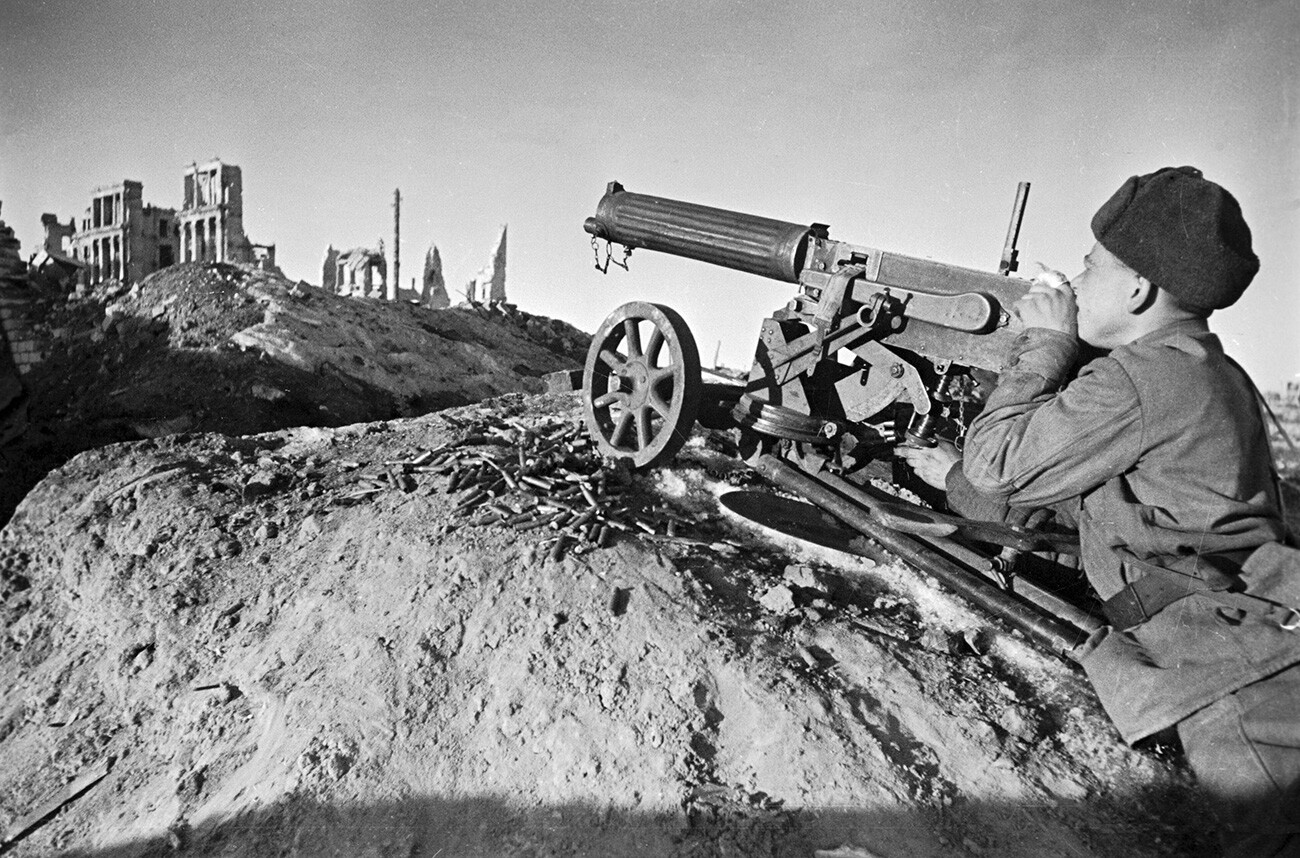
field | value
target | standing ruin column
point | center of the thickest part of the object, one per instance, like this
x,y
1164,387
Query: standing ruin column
x,y
397,247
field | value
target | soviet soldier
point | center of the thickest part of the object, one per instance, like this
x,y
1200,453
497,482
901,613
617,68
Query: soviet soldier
x,y
1158,453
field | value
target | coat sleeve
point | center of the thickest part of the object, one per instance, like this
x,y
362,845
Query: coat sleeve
x,y
1037,443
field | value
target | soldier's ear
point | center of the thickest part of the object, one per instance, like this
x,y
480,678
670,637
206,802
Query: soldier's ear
x,y
1141,296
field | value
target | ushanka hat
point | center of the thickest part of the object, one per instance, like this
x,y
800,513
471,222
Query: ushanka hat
x,y
1182,232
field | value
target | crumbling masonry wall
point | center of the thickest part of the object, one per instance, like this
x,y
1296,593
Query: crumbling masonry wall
x,y
17,335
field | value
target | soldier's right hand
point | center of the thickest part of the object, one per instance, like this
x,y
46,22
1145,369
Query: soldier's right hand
x,y
1049,304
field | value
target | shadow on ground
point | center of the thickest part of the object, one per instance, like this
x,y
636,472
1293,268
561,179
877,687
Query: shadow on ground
x,y
713,826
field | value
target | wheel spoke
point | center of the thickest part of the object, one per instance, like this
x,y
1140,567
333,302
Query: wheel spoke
x,y
620,429
608,399
656,343
660,375
633,333
659,404
643,433
614,360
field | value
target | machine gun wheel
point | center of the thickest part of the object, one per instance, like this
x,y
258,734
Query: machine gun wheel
x,y
640,397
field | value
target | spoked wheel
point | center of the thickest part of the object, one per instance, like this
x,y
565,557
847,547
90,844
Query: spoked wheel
x,y
641,386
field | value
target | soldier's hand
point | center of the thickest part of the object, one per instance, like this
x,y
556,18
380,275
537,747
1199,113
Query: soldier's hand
x,y
1049,303
930,464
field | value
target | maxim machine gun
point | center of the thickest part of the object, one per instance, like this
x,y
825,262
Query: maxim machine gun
x,y
874,349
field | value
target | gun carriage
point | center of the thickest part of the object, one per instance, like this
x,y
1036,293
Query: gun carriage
x,y
874,349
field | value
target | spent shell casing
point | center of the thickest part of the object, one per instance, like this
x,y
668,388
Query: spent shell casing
x,y
472,501
539,521
557,550
584,517
520,517
604,536
474,491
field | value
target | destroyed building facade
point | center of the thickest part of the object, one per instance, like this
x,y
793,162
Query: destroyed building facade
x,y
360,272
122,238
211,220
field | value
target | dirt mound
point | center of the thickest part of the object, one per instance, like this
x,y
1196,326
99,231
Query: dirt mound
x,y
219,348
301,643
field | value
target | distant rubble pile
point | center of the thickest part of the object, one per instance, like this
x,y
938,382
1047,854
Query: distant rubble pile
x,y
213,347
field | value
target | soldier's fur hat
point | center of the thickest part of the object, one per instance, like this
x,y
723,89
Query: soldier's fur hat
x,y
1182,232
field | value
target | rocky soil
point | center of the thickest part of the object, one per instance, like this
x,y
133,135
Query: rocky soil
x,y
283,651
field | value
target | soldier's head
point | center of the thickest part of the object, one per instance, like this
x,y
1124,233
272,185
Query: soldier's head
x,y
1171,242
1182,232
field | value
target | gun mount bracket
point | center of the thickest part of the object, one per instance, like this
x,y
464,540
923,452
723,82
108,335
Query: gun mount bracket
x,y
781,422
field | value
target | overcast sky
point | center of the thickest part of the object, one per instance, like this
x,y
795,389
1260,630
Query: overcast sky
x,y
904,125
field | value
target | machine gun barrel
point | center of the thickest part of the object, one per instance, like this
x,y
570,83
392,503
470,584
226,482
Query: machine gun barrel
x,y
756,245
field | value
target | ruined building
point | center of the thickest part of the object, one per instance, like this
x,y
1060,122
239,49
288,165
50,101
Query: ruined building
x,y
360,272
434,294
123,238
210,223
53,267
489,285
363,272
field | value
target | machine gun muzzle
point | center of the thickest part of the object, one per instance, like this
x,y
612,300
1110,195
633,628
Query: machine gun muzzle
x,y
757,245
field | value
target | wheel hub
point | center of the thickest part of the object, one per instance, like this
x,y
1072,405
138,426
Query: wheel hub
x,y
638,376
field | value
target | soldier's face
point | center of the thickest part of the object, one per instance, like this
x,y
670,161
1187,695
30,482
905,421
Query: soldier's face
x,y
1102,291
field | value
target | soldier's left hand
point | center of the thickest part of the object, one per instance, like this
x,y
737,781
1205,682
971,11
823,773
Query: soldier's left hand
x,y
930,464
